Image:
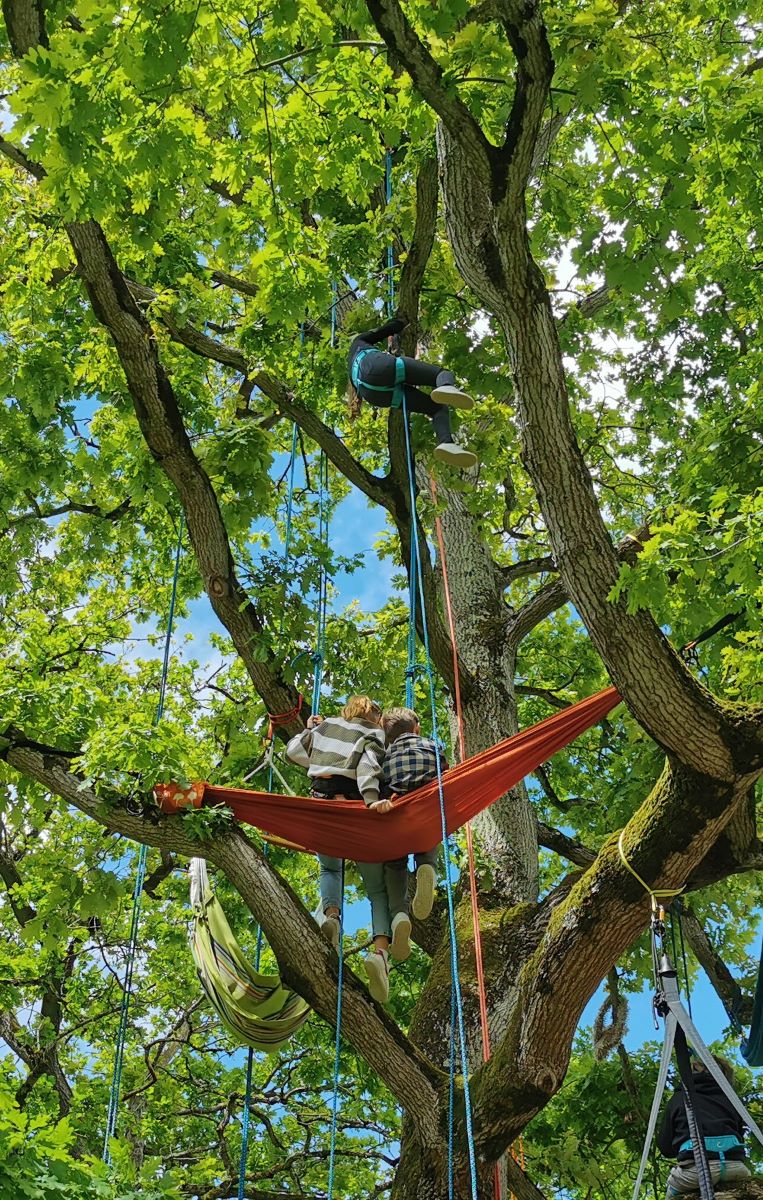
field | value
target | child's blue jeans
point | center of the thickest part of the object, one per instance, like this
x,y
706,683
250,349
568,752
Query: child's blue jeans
x,y
372,875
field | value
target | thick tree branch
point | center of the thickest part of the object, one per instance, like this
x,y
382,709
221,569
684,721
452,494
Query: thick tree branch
x,y
665,841
526,32
560,843
407,48
25,22
731,995
307,963
162,426
526,567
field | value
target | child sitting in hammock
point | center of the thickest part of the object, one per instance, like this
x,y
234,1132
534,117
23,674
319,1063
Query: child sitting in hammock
x,y
343,756
410,762
382,378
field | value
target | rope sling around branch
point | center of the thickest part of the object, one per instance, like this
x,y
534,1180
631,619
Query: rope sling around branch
x,y
140,876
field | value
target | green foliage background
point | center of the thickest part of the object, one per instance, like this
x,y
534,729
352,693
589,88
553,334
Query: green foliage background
x,y
170,125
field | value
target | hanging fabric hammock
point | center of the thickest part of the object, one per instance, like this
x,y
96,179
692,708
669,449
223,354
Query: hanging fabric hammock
x,y
257,1009
346,828
752,1048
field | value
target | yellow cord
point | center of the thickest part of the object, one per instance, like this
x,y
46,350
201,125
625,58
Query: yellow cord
x,y
655,893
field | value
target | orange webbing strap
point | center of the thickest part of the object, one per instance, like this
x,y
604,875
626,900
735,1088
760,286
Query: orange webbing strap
x,y
285,718
469,840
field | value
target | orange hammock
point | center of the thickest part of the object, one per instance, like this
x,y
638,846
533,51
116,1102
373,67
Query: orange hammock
x,y
346,828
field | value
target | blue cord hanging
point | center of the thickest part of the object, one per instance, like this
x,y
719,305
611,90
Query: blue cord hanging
x,y
455,978
140,876
390,246
337,1046
258,949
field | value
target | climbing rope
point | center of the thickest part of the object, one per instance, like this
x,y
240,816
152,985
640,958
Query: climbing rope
x,y
390,246
679,947
473,894
337,1044
274,719
457,999
140,876
323,537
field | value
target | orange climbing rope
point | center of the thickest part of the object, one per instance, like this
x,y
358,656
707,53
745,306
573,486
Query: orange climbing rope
x,y
469,839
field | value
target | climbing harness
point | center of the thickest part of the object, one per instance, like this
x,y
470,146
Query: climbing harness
x,y
680,1031
457,999
140,876
398,390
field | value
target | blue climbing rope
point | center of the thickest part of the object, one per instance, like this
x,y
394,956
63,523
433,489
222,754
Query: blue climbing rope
x,y
390,246
245,1118
411,669
337,1046
323,537
140,877
258,949
457,1001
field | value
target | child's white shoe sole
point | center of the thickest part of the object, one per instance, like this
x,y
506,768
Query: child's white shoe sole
x,y
378,977
400,946
452,396
455,456
425,889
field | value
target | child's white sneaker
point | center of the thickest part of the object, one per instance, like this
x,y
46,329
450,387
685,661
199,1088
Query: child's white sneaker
x,y
426,881
452,396
455,456
400,947
377,970
329,927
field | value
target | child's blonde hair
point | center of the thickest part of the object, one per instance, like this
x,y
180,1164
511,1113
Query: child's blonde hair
x,y
397,721
362,707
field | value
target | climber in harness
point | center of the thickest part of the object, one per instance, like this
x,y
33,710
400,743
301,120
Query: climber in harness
x,y
722,1131
383,378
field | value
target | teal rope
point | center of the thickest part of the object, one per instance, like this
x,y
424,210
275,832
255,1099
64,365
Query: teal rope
x,y
245,1119
390,247
140,876
337,1047
412,665
323,533
323,538
455,978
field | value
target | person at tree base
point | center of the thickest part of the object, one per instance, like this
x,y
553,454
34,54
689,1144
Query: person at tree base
x,y
382,379
722,1130
343,757
410,762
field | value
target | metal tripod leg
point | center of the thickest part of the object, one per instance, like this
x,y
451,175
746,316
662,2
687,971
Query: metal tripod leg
x,y
662,1078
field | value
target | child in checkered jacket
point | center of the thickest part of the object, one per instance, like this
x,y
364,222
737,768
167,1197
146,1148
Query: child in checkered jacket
x,y
410,762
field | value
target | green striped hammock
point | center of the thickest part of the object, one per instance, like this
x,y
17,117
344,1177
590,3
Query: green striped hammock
x,y
256,1009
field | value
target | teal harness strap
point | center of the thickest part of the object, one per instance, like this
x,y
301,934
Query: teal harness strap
x,y
718,1145
397,390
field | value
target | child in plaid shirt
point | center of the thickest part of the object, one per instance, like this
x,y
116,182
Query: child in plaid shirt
x,y
410,762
